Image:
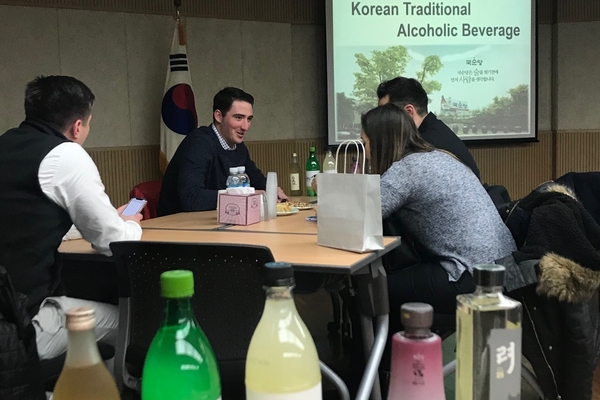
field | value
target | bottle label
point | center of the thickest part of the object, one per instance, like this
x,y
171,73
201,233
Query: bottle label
x,y
310,176
313,393
329,171
295,181
505,363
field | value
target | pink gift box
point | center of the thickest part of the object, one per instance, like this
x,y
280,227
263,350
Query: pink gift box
x,y
239,209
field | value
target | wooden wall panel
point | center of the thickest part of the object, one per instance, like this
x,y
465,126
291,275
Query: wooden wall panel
x,y
276,156
519,167
577,151
578,10
121,168
545,13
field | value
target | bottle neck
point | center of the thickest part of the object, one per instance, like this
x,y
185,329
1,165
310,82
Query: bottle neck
x,y
488,290
82,349
279,292
417,333
177,311
294,159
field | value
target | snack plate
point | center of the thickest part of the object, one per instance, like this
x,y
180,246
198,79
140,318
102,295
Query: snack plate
x,y
282,213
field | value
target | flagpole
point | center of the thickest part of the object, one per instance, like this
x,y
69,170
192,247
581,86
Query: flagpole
x,y
178,109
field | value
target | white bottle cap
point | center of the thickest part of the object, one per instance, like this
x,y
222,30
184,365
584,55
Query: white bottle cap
x,y
233,170
294,155
242,169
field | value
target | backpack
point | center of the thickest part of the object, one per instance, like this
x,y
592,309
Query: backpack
x,y
20,371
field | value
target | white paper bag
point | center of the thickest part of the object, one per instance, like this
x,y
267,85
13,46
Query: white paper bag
x,y
349,215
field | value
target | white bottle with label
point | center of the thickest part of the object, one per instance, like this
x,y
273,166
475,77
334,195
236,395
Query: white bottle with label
x,y
295,171
329,166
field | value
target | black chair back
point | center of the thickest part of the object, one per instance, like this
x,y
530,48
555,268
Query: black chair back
x,y
228,300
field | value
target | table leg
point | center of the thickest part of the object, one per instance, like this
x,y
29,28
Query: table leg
x,y
373,303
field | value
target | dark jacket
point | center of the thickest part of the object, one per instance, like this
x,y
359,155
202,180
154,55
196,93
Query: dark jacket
x,y
20,373
586,186
199,169
441,136
555,274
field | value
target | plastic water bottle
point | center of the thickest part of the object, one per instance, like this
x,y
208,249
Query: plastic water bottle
x,y
282,360
180,364
233,180
244,178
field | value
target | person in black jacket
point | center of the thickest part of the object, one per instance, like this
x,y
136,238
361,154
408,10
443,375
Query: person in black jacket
x,y
410,95
200,166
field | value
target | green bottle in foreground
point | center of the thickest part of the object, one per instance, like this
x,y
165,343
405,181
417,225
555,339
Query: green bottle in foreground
x,y
180,363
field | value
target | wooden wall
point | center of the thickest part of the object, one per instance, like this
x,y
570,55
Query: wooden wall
x,y
520,167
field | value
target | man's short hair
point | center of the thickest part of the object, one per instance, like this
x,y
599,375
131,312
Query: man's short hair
x,y
403,91
226,96
57,99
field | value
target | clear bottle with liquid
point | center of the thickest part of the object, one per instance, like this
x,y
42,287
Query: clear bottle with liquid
x,y
416,367
312,169
180,364
233,180
488,339
282,362
295,172
329,166
84,375
243,176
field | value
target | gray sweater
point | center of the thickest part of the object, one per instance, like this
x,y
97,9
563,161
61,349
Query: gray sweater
x,y
445,207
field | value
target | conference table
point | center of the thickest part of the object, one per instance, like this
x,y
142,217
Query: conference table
x,y
291,239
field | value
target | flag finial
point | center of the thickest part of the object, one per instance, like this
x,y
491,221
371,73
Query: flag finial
x,y
177,4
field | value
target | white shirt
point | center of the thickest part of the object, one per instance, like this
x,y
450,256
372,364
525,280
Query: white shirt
x,y
69,177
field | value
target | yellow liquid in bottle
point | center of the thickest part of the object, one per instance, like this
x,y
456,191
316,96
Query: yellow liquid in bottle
x,y
89,382
282,360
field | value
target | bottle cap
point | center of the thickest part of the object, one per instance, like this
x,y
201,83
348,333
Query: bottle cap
x,y
233,170
242,169
81,319
311,149
416,318
177,284
279,274
294,155
488,275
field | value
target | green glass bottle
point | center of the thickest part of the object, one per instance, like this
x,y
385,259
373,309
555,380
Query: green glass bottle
x,y
312,169
180,363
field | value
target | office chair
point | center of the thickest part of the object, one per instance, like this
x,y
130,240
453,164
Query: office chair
x,y
149,191
228,303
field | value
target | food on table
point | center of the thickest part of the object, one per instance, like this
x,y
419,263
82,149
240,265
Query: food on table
x,y
300,204
283,207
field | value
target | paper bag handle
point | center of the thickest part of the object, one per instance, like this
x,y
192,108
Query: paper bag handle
x,y
347,143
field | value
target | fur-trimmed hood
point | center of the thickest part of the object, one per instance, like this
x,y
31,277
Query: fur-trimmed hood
x,y
565,239
566,280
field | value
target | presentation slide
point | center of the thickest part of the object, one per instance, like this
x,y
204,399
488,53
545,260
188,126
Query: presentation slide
x,y
475,59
